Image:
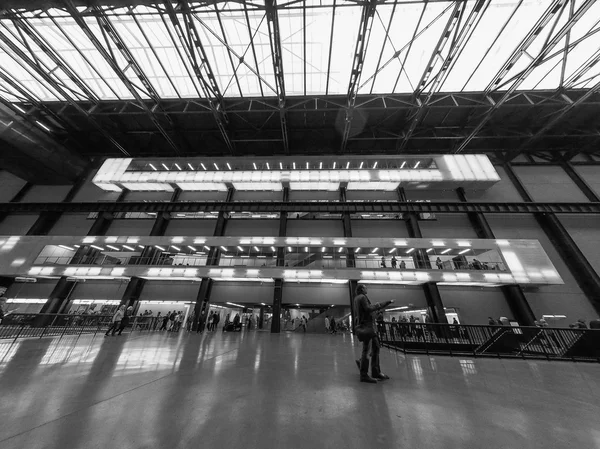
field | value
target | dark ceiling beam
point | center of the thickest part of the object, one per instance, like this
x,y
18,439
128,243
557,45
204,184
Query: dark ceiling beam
x,y
275,42
110,33
555,8
415,118
48,76
194,50
360,52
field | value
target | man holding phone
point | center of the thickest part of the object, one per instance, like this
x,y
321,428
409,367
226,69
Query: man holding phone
x,y
365,310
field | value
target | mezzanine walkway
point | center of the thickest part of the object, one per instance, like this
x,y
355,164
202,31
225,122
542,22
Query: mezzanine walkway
x,y
256,390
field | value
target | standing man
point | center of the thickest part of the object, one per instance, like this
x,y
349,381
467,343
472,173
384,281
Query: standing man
x,y
116,321
327,323
394,261
365,313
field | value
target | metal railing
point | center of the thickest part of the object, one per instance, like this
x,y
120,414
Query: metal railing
x,y
38,325
492,341
307,262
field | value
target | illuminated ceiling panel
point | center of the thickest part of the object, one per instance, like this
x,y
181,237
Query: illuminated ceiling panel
x,y
318,41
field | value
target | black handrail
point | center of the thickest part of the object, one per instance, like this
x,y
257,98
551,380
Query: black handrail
x,y
492,341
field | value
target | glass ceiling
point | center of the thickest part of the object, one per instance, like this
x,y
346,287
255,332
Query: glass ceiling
x,y
406,49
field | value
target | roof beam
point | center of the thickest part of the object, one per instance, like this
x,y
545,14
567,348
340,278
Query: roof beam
x,y
109,32
360,51
275,41
21,58
554,8
190,40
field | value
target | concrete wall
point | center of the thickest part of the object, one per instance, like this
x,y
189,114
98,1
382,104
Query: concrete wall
x,y
203,196
549,183
130,227
46,194
91,289
242,292
248,227
315,228
379,228
585,231
503,191
72,224
41,289
10,184
475,304
319,294
17,224
170,291
448,225
567,299
591,175
182,227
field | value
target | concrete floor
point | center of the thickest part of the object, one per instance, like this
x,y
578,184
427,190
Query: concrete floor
x,y
257,390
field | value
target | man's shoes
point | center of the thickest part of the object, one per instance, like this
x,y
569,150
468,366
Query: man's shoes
x,y
368,380
358,364
381,377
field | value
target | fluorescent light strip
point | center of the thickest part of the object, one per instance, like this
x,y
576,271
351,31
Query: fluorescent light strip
x,y
192,248
357,250
410,251
216,166
240,248
178,167
273,248
166,168
392,251
206,247
129,248
417,164
176,248
429,250
67,247
280,166
223,248
255,248
43,126
113,247
190,165
159,247
334,165
228,166
403,164
446,250
464,251
203,166
375,165
375,250
153,167
97,247
268,167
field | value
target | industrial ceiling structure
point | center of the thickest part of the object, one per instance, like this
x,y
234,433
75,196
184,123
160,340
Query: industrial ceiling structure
x,y
81,79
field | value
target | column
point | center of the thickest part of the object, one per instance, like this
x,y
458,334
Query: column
x,y
517,302
132,292
214,255
278,289
57,300
350,257
584,274
432,293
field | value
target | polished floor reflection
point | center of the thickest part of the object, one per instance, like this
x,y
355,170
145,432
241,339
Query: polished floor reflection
x,y
258,390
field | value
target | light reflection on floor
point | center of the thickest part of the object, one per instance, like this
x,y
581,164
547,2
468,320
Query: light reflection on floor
x,y
288,390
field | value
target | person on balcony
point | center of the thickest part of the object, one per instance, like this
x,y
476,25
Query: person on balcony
x,y
394,262
365,311
383,265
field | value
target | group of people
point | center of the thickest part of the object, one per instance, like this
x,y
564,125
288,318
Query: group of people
x,y
394,263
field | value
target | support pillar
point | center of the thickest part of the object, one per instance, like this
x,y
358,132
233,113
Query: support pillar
x,y
583,272
44,223
414,231
277,298
434,303
56,301
214,255
516,300
261,317
350,257
132,292
278,289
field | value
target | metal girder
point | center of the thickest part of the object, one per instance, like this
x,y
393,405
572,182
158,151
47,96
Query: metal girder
x,y
560,115
391,103
360,51
525,44
48,76
109,32
416,117
191,43
330,207
275,41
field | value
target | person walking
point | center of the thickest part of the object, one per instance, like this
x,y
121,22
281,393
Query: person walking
x,y
365,311
125,320
116,320
327,325
394,261
165,321
216,319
